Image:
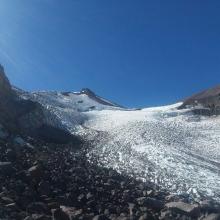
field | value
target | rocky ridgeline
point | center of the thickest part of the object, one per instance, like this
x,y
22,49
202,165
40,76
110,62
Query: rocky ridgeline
x,y
41,181
27,117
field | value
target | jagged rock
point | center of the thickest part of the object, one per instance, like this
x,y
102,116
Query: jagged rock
x,y
192,210
5,86
25,116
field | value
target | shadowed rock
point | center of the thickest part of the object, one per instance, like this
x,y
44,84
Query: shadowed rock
x,y
28,117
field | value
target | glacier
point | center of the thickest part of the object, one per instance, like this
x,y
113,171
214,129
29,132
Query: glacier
x,y
171,148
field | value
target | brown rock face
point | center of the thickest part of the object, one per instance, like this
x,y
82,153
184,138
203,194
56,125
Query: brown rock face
x,y
208,99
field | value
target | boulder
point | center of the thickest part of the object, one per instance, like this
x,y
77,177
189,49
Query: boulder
x,y
150,203
192,210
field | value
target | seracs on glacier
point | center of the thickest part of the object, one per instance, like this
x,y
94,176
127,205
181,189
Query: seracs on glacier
x,y
175,149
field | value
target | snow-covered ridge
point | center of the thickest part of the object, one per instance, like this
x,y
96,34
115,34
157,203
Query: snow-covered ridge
x,y
70,107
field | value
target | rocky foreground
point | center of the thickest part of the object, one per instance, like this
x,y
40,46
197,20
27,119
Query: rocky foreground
x,y
40,181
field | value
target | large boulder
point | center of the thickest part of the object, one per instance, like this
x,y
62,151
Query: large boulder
x,y
192,210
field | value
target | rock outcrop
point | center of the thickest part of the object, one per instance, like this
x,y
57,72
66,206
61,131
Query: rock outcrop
x,y
28,117
206,102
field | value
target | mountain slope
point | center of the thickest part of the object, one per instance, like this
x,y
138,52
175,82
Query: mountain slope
x,y
169,145
69,107
173,148
207,101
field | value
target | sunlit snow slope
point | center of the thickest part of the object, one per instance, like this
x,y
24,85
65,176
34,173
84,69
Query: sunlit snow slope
x,y
69,107
173,148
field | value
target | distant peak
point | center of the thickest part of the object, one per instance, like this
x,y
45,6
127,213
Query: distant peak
x,y
87,91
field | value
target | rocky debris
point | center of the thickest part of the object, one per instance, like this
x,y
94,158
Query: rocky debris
x,y
192,210
36,172
57,182
212,216
6,168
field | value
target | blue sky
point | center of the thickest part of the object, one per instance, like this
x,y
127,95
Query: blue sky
x,y
136,53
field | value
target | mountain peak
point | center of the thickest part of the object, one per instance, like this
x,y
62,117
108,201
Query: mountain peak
x,y
87,91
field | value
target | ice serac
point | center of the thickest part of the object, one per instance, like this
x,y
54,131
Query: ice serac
x,y
206,102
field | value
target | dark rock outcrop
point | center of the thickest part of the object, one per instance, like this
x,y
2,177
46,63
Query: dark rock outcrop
x,y
205,103
96,98
28,117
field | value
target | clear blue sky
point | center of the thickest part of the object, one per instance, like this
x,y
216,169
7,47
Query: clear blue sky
x,y
134,52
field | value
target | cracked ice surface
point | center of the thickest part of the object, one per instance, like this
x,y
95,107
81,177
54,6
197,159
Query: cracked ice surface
x,y
172,148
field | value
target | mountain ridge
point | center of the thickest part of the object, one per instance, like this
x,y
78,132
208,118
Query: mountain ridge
x,y
122,136
92,160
